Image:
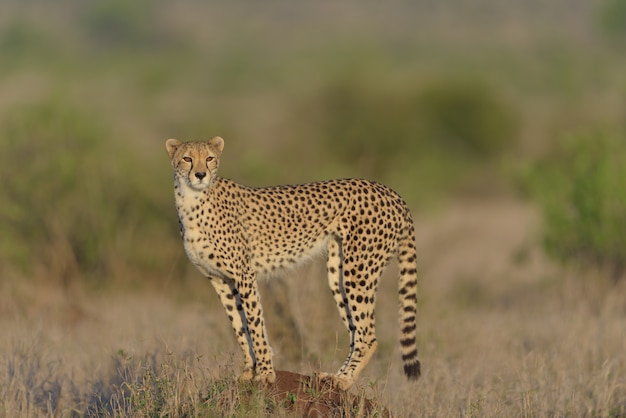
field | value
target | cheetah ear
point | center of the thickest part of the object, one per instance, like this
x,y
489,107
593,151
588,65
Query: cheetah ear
x,y
217,143
172,145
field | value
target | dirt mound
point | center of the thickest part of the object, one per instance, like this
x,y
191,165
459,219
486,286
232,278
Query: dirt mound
x,y
311,397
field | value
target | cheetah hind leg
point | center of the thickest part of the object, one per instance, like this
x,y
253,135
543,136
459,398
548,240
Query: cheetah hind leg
x,y
362,343
344,380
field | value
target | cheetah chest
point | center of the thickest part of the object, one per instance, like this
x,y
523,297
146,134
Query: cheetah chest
x,y
202,253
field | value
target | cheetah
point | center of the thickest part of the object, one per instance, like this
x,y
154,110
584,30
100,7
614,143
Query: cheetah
x,y
234,234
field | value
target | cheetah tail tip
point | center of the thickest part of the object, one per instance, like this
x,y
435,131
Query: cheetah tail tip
x,y
413,370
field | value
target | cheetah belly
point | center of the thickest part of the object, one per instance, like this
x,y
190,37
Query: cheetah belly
x,y
271,258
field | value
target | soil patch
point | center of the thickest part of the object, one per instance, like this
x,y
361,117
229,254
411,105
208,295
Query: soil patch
x,y
309,396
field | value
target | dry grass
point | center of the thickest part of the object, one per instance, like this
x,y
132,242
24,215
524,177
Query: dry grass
x,y
502,333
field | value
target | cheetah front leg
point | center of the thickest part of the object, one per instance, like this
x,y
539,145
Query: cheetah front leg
x,y
243,307
231,300
251,301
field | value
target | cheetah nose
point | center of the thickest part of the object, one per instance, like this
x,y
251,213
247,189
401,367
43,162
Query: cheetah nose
x,y
200,175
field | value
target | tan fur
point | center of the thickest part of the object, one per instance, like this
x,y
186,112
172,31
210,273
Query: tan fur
x,y
233,234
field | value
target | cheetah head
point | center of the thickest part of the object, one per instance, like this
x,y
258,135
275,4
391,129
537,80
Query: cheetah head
x,y
195,163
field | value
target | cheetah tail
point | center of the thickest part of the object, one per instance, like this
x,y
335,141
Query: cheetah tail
x,y
407,264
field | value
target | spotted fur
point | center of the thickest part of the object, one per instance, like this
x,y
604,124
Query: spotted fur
x,y
234,234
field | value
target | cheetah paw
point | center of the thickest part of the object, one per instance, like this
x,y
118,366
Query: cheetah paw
x,y
337,382
246,376
266,378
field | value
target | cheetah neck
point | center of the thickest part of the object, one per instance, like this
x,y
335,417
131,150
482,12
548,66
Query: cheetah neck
x,y
189,200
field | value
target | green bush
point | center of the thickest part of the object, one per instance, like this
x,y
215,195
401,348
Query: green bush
x,y
119,23
70,198
20,38
45,148
375,129
582,193
467,117
364,128
612,20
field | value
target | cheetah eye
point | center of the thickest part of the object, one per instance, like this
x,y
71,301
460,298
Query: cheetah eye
x,y
187,159
209,159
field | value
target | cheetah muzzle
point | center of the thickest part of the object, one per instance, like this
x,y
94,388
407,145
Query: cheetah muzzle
x,y
234,233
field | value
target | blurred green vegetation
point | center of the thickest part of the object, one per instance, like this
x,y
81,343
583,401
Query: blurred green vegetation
x,y
120,24
423,138
373,129
612,17
582,194
436,100
71,196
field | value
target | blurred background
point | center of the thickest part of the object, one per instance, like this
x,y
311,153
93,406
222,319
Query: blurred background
x,y
444,101
501,122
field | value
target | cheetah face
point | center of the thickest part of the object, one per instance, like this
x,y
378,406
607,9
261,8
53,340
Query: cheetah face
x,y
195,163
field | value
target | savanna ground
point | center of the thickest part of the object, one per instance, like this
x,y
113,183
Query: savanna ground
x,y
502,332
501,125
